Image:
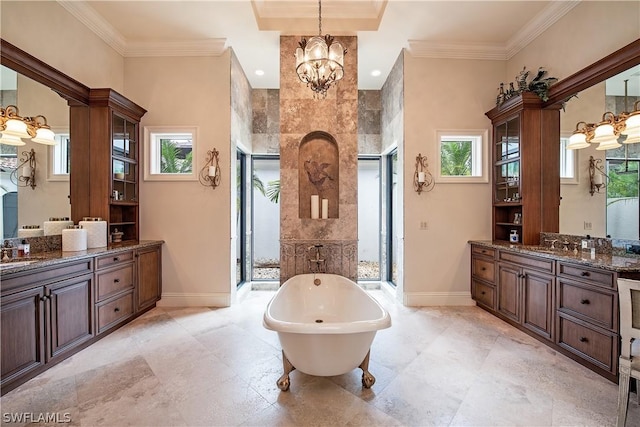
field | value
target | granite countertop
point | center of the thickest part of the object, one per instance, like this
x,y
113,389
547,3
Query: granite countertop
x,y
617,263
45,259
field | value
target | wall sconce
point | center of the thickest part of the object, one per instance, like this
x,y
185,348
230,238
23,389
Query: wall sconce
x,y
596,175
25,171
422,178
14,128
210,173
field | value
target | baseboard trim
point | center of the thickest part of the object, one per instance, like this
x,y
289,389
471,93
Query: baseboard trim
x,y
175,299
425,299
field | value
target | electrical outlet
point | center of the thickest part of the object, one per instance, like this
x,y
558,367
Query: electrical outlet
x,y
587,225
424,225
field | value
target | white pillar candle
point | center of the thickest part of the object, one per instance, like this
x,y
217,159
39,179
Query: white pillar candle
x,y
421,177
315,206
325,208
212,171
597,179
26,171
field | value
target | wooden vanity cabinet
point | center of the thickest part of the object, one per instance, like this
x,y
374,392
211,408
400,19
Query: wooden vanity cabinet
x,y
525,292
149,277
46,315
483,276
571,307
587,315
115,286
50,312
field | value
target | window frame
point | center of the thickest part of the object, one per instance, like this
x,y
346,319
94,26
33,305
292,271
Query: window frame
x,y
564,138
479,140
151,136
52,175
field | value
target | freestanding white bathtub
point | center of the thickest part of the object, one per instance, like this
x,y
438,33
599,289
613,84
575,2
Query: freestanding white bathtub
x,y
326,324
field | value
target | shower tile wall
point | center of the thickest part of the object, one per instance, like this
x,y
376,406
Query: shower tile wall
x,y
337,115
266,121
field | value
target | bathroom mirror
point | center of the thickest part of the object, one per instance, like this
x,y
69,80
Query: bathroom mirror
x,y
580,212
38,89
612,210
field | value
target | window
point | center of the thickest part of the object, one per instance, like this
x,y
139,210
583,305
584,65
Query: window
x,y
393,217
568,163
369,218
59,164
169,153
461,156
265,190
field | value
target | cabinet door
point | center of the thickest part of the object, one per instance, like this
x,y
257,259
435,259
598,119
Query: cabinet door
x,y
71,305
509,291
22,317
149,277
537,291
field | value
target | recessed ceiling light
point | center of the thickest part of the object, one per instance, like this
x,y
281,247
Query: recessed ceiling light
x,y
376,73
259,73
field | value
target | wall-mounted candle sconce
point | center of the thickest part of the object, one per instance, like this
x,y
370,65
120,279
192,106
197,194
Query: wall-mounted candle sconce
x,y
596,175
422,178
210,173
25,172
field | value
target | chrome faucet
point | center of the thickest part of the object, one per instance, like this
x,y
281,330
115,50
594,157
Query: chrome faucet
x,y
553,243
7,251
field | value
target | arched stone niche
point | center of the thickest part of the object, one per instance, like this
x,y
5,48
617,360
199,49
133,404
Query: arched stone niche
x,y
318,173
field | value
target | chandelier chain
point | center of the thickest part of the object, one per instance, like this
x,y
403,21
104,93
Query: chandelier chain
x,y
320,17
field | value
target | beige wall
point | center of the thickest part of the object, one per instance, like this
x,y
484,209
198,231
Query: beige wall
x,y
443,94
193,220
450,94
47,31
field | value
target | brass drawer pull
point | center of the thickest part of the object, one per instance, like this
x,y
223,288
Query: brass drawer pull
x,y
585,301
584,339
116,280
116,258
586,274
116,309
484,269
482,293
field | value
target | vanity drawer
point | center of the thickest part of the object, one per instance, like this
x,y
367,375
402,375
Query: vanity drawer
x,y
484,251
484,294
483,269
112,282
112,259
589,303
590,344
543,264
592,275
114,312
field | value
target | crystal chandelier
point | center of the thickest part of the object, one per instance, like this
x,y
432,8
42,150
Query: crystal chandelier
x,y
320,60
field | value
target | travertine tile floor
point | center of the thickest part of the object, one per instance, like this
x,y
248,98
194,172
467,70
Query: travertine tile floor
x,y
218,367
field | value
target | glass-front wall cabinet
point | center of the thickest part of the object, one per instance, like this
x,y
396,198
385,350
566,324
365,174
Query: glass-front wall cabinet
x,y
124,179
507,189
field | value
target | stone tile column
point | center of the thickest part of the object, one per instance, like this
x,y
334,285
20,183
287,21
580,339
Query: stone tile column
x,y
301,115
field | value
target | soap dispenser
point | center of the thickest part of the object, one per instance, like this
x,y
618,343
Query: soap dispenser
x,y
514,237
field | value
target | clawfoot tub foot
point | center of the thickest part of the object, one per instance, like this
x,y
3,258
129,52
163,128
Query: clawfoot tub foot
x,y
368,380
283,382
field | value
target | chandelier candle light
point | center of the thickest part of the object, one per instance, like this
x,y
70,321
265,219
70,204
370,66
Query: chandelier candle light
x,y
320,60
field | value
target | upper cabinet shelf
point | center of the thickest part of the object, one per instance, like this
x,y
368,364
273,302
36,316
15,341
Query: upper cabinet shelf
x,y
526,168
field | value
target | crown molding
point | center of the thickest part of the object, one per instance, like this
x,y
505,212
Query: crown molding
x,y
496,51
427,49
207,47
96,23
538,25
